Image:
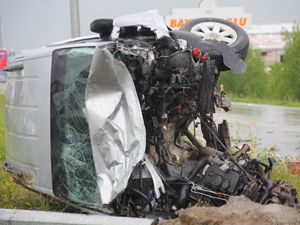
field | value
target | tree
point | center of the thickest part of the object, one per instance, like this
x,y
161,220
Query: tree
x,y
290,74
251,84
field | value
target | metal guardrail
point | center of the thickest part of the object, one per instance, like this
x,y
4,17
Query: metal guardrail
x,y
30,217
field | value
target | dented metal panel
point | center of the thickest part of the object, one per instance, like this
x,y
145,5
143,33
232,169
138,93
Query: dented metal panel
x,y
116,126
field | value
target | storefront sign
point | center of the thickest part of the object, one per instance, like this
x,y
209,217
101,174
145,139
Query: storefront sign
x,y
208,8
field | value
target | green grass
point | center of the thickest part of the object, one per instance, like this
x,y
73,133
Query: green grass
x,y
236,98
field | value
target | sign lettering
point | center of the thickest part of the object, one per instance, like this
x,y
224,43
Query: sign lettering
x,y
177,23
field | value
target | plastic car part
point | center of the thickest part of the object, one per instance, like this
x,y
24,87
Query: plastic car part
x,y
103,27
206,93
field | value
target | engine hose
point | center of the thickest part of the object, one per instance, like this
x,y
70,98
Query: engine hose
x,y
269,172
267,192
143,196
184,194
201,163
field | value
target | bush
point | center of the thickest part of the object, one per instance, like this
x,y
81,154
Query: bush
x,y
286,76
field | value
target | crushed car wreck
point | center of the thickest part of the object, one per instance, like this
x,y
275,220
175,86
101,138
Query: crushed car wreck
x,y
107,122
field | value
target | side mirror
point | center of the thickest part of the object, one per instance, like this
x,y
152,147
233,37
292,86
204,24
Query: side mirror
x,y
103,27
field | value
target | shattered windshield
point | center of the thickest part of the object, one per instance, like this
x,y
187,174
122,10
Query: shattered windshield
x,y
74,175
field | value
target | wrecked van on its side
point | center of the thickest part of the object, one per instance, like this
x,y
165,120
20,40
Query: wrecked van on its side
x,y
103,123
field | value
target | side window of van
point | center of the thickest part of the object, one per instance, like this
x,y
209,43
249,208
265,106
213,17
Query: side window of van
x,y
73,169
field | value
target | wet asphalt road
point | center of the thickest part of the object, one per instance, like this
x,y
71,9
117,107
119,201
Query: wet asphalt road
x,y
272,126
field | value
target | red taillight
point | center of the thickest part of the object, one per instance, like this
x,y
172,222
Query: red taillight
x,y
196,52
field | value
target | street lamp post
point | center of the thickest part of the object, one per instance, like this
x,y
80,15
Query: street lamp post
x,y
74,16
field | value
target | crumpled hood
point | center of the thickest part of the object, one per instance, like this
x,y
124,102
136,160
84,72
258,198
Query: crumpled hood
x,y
116,126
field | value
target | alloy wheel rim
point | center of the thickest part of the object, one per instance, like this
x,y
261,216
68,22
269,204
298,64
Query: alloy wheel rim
x,y
215,31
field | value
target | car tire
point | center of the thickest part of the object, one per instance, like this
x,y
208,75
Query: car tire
x,y
214,29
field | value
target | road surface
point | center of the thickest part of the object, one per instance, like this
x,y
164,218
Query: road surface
x,y
272,126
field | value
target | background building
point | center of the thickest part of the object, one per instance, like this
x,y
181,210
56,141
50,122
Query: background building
x,y
269,39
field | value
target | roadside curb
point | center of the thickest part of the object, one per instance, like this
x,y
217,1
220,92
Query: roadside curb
x,y
30,217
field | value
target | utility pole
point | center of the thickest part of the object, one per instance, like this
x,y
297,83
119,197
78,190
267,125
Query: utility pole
x,y
1,43
75,21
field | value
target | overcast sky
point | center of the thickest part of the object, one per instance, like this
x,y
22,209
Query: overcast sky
x,y
33,23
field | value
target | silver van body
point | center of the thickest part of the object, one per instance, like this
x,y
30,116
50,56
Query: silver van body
x,y
28,141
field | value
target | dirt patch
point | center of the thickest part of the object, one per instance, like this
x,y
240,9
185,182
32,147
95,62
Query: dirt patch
x,y
238,210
